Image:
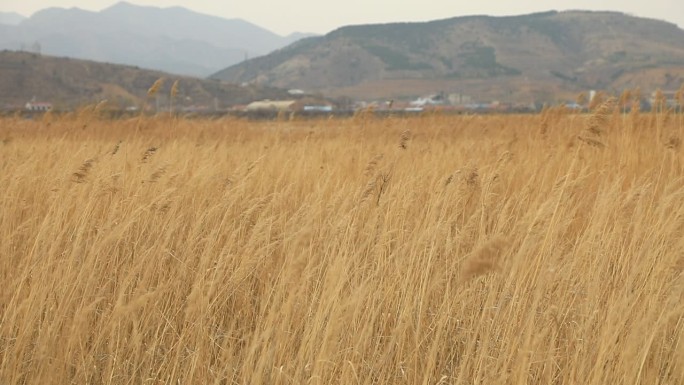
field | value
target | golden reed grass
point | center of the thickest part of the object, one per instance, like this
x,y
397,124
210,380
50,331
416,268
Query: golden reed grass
x,y
480,250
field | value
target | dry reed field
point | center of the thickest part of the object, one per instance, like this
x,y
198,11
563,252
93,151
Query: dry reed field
x,y
545,249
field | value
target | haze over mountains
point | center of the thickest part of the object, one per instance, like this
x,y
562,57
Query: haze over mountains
x,y
532,57
174,40
11,18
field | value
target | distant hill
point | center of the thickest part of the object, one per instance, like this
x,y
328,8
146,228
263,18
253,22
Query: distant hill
x,y
175,39
68,83
11,18
519,58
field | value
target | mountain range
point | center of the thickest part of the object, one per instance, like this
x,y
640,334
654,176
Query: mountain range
x,y
538,57
543,56
174,39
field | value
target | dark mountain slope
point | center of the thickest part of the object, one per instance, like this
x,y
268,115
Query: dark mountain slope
x,y
69,83
487,57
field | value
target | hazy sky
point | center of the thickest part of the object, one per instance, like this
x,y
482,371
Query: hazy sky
x,y
320,16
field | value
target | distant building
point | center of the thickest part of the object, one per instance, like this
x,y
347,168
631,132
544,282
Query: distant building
x,y
458,99
271,105
38,106
669,98
430,100
592,95
318,108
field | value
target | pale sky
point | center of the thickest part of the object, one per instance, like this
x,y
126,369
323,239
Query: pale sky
x,y
319,16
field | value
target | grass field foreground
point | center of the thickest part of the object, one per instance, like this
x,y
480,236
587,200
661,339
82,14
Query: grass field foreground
x,y
545,249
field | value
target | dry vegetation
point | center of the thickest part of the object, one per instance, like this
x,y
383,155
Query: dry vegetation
x,y
435,250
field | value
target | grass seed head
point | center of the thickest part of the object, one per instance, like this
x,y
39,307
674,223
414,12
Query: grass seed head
x,y
148,154
83,171
155,87
486,258
404,139
174,89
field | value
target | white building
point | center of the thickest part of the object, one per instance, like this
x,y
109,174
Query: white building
x,y
38,106
271,105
